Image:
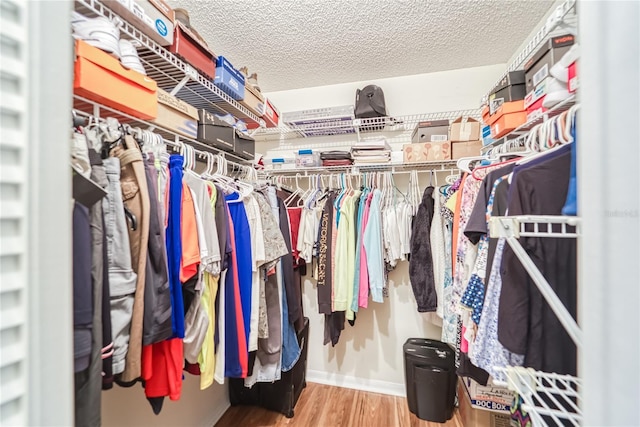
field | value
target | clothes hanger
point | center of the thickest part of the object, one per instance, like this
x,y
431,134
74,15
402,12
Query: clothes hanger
x,y
294,193
464,163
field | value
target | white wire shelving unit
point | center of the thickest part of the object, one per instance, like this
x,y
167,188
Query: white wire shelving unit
x,y
90,109
564,12
170,72
543,394
394,168
396,125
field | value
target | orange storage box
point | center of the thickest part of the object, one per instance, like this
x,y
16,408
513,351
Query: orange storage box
x,y
101,78
506,108
507,122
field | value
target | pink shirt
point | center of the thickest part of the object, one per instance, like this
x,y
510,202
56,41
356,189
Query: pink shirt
x,y
363,297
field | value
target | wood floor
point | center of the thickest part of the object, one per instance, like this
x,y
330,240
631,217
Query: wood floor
x,y
323,405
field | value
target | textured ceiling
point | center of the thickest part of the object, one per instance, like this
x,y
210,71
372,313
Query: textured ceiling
x,y
304,43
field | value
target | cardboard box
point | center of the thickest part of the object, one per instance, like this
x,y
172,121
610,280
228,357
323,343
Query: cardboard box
x,y
215,132
486,136
176,115
537,68
253,100
465,149
472,416
507,123
506,108
432,131
100,77
230,80
155,18
187,46
244,146
465,129
426,151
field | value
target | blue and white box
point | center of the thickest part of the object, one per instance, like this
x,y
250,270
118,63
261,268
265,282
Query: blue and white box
x,y
228,79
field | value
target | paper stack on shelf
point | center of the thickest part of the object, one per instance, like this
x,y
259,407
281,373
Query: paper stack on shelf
x,y
371,152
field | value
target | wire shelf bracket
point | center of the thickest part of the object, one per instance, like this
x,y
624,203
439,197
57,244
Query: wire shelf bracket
x,y
513,227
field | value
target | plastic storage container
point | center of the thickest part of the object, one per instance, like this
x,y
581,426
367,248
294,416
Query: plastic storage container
x,y
307,158
430,379
281,163
228,79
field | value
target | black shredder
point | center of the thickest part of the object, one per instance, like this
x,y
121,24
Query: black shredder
x,y
430,378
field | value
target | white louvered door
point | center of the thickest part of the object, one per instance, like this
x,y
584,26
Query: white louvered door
x,y
36,343
14,191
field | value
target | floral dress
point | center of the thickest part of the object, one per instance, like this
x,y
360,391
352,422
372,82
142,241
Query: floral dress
x,y
473,297
488,353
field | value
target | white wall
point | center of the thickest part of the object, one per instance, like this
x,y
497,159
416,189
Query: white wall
x,y
129,407
420,93
369,355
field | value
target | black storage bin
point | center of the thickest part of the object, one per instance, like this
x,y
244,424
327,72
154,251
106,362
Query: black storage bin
x,y
430,376
244,145
215,132
280,396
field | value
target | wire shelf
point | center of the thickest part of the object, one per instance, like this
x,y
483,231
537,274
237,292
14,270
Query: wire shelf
x,y
535,226
376,124
550,399
562,13
169,71
88,108
357,169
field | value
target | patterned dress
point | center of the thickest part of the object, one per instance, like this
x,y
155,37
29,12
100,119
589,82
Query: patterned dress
x,y
473,296
488,353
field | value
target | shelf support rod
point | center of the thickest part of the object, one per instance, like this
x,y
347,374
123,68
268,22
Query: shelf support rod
x,y
509,232
180,84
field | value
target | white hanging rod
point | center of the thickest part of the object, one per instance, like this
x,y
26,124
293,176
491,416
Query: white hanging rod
x,y
168,135
177,143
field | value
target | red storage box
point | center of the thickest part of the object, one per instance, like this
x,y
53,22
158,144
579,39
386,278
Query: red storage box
x,y
188,47
573,77
536,109
271,114
100,77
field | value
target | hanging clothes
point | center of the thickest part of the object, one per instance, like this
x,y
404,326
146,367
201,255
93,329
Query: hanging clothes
x,y
421,263
526,323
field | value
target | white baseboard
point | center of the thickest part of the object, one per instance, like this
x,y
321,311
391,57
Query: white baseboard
x,y
364,384
217,413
